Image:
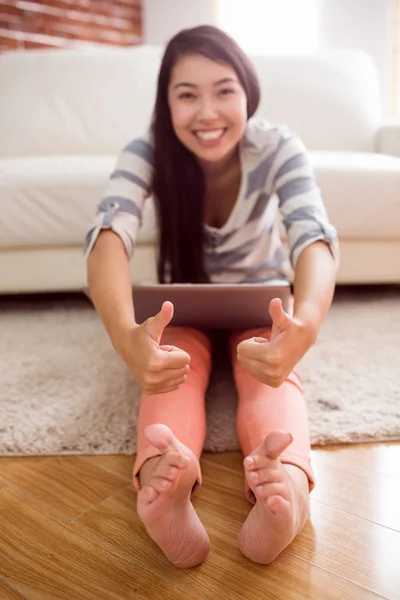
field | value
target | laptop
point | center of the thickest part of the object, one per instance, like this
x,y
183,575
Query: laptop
x,y
212,305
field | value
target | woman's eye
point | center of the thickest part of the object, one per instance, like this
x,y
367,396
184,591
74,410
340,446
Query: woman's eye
x,y
186,96
226,92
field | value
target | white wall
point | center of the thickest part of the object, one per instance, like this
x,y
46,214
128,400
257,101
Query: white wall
x,y
272,32
163,18
365,24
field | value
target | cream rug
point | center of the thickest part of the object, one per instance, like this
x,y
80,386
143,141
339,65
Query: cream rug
x,y
64,391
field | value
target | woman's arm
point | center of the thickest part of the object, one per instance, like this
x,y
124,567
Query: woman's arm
x,y
314,255
110,241
291,337
314,285
110,286
156,369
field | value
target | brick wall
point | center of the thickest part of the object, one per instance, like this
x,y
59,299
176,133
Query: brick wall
x,y
26,24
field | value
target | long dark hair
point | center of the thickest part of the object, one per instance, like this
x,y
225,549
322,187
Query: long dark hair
x,y
178,183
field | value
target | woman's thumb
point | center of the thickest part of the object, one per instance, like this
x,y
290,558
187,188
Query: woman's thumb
x,y
155,325
280,319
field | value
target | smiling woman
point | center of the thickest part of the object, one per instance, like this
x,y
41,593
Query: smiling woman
x,y
207,87
208,110
218,175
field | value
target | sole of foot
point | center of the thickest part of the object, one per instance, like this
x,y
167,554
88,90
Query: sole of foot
x,y
164,502
282,500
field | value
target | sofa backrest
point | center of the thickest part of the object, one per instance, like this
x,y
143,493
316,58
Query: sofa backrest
x,y
331,100
95,101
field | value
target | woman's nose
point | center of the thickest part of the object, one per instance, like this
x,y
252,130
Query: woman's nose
x,y
207,110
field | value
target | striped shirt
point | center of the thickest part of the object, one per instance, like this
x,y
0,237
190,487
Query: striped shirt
x,y
277,184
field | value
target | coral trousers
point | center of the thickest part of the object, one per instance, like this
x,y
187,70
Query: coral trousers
x,y
261,408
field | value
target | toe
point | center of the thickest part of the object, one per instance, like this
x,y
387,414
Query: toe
x,y
256,462
279,507
266,476
167,471
161,437
148,494
275,443
174,459
268,490
271,447
160,484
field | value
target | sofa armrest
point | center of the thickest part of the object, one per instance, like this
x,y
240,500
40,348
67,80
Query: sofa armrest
x,y
388,141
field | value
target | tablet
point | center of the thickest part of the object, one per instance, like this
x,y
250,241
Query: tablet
x,y
212,305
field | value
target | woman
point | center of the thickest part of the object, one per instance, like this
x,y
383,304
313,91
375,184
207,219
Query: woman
x,y
219,177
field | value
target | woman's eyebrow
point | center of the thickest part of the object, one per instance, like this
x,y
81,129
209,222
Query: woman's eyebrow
x,y
193,85
226,80
184,84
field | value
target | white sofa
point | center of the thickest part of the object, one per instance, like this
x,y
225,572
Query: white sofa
x,y
65,115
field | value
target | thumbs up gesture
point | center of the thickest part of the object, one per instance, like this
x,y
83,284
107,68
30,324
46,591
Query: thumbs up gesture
x,y
156,368
272,360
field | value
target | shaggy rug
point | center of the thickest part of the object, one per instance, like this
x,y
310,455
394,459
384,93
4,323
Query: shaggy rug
x,y
64,391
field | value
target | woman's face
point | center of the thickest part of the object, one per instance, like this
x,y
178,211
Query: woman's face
x,y
208,107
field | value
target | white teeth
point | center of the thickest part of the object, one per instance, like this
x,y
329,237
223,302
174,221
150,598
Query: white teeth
x,y
209,135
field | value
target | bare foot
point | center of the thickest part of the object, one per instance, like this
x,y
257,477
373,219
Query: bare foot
x,y
282,500
164,504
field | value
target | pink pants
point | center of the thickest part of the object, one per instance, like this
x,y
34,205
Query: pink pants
x,y
261,408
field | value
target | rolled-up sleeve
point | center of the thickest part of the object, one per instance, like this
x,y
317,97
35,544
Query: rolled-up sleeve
x,y
300,203
121,207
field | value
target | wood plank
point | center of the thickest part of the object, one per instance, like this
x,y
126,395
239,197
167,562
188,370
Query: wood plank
x,y
69,485
8,593
381,458
287,577
344,540
226,460
345,481
226,574
361,492
222,496
119,464
50,559
337,556
352,548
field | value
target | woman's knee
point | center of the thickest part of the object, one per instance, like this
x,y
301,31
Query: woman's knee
x,y
239,336
193,341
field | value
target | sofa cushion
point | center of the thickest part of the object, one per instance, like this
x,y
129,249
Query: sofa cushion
x,y
361,192
330,99
50,201
80,102
94,102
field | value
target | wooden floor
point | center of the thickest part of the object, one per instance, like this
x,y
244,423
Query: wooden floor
x,y
69,530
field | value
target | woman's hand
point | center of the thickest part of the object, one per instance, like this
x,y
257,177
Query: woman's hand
x,y
156,369
271,361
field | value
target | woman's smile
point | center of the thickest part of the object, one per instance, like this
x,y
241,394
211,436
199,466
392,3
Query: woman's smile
x,y
209,138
